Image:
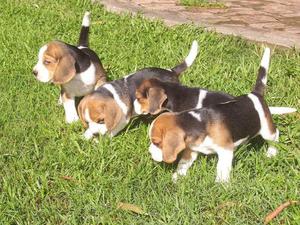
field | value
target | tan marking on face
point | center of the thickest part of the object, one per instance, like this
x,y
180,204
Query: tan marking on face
x,y
151,96
59,62
143,102
168,136
220,134
101,110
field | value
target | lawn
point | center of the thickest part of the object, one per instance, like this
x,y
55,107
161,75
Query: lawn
x,y
50,175
203,3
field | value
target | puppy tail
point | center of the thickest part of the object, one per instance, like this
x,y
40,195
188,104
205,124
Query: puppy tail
x,y
84,32
281,110
188,60
261,80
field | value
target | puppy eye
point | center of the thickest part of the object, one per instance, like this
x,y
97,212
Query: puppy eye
x,y
46,62
156,143
100,122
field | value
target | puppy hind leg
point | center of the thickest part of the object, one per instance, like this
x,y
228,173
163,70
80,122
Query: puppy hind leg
x,y
225,157
184,164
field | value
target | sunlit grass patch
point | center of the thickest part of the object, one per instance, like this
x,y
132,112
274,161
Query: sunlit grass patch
x,y
203,3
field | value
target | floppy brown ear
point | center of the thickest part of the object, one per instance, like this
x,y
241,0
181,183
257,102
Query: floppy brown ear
x,y
156,98
113,115
173,144
65,69
81,108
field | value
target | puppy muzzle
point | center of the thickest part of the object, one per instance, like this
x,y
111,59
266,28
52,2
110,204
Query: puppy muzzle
x,y
41,73
138,108
156,153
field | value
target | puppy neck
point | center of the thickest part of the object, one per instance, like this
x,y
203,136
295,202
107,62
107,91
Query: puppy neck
x,y
82,60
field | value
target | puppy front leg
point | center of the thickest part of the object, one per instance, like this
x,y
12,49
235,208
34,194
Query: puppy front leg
x,y
184,164
224,165
70,109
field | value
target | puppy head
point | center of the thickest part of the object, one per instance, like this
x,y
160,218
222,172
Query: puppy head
x,y
150,97
167,138
55,63
102,110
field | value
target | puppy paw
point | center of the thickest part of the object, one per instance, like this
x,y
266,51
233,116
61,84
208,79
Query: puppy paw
x,y
222,180
72,119
175,177
271,152
88,135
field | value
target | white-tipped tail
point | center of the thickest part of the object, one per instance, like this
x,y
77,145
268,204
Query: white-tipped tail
x,y
265,61
86,19
192,54
281,110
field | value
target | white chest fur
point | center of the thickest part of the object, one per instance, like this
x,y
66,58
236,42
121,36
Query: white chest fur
x,y
82,84
206,147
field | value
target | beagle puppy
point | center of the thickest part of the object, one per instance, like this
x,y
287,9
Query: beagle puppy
x,y
78,70
109,108
154,96
216,129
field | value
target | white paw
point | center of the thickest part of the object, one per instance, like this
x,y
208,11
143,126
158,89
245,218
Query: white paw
x,y
222,180
272,151
175,177
178,174
88,135
72,118
96,140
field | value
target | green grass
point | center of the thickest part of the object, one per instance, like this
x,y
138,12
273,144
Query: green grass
x,y
203,3
37,148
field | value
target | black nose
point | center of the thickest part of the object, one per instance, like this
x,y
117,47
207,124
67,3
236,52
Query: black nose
x,y
34,72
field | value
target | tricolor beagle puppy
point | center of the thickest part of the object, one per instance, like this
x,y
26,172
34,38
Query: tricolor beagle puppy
x,y
109,108
154,96
77,69
217,129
